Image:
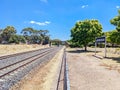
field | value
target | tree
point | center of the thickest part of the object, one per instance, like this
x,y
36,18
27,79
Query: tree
x,y
27,33
115,35
16,39
1,31
8,32
116,21
35,36
21,39
85,31
56,41
44,36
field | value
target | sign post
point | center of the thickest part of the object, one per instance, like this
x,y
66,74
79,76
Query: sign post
x,y
95,47
105,47
100,40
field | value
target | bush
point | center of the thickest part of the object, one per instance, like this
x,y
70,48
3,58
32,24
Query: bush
x,y
16,39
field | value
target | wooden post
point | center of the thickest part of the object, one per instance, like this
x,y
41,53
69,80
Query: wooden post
x,y
95,47
105,47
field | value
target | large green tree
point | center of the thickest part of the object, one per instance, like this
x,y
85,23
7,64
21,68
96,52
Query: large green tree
x,y
116,21
27,32
8,32
35,36
44,36
85,31
115,35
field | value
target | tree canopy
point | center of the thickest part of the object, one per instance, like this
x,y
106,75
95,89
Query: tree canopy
x,y
8,32
35,36
114,35
85,31
30,35
116,21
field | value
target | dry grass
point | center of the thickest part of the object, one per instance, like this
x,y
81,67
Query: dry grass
x,y
112,61
11,49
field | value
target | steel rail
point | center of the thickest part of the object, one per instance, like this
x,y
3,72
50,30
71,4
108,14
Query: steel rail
x,y
24,65
21,60
12,55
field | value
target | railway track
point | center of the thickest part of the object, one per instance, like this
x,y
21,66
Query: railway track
x,y
10,59
11,73
12,55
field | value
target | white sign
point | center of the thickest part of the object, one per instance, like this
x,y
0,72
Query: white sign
x,y
100,40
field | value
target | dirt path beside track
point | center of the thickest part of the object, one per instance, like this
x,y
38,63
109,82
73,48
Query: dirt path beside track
x,y
86,73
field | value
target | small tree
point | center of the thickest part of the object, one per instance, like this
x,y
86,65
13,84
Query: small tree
x,y
16,39
21,39
56,41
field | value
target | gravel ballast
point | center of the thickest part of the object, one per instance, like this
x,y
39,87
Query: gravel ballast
x,y
8,81
42,78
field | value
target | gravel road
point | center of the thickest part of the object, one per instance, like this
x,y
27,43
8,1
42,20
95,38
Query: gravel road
x,y
85,73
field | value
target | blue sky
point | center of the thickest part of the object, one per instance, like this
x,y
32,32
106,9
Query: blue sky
x,y
57,16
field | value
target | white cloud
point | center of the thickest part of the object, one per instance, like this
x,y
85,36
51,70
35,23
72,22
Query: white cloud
x,y
47,22
45,1
84,6
117,6
40,23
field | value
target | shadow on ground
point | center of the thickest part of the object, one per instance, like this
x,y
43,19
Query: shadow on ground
x,y
81,51
114,58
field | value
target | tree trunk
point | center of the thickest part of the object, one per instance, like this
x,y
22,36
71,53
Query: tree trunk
x,y
85,47
112,44
41,42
